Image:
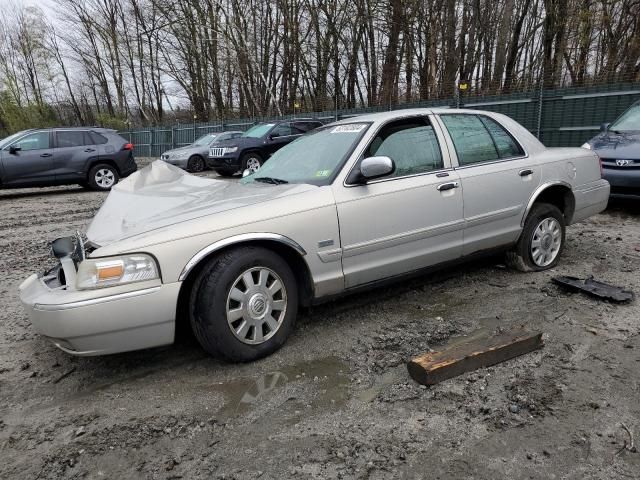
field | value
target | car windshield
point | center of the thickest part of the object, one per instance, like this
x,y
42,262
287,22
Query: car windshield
x,y
314,158
628,121
6,141
205,139
259,130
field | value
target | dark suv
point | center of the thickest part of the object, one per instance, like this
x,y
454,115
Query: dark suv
x,y
92,157
256,145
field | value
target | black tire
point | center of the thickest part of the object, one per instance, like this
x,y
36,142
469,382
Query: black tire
x,y
210,293
521,257
250,157
95,183
226,173
196,164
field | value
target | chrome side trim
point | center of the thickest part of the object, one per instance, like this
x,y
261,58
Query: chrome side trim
x,y
537,193
244,237
492,216
94,301
402,238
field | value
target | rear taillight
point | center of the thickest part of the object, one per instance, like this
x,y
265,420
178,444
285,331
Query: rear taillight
x,y
128,146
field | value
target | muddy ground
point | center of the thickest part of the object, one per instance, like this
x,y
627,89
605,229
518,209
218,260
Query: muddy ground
x,y
336,401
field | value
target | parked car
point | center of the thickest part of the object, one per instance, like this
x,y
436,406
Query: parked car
x,y
92,157
352,205
618,146
256,145
193,157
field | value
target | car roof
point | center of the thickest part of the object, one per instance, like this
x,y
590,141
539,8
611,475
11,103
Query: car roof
x,y
408,112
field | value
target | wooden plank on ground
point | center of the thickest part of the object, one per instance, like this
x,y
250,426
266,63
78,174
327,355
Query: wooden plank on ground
x,y
462,357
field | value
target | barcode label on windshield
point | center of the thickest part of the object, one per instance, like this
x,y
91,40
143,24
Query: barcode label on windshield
x,y
351,128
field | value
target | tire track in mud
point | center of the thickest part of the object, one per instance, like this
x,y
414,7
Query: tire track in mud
x,y
18,221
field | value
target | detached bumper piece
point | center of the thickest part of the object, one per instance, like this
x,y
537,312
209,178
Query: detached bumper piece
x,y
595,288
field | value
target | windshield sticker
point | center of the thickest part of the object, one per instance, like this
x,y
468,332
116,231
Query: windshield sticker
x,y
323,173
351,128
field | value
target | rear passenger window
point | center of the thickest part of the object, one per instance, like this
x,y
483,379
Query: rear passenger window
x,y
306,126
98,139
282,130
411,144
471,139
506,145
73,138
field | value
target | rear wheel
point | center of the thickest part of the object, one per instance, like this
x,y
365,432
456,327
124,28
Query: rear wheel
x,y
542,240
251,162
102,177
196,164
244,304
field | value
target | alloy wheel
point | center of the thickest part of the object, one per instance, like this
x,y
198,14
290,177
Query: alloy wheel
x,y
256,305
546,242
253,164
105,178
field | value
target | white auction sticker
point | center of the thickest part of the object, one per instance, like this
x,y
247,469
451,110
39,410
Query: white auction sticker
x,y
350,128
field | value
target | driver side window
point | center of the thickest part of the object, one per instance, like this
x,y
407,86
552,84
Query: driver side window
x,y
411,144
34,141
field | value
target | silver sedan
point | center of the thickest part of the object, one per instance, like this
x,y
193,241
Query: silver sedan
x,y
193,157
353,204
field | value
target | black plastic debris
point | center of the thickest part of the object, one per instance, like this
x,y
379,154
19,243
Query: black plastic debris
x,y
594,288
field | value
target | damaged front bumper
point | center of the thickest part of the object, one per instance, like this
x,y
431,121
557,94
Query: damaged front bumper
x,y
100,321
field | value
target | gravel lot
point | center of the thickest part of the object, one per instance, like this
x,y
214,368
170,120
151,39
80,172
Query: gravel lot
x,y
336,401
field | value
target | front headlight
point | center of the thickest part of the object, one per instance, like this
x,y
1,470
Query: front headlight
x,y
230,149
106,272
586,145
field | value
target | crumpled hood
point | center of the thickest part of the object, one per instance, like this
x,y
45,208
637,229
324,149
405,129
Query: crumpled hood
x,y
161,195
625,145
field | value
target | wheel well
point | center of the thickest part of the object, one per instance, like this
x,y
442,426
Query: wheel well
x,y
106,161
291,256
249,152
562,197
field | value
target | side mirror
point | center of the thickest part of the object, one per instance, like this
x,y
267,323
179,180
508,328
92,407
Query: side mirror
x,y
376,167
604,127
246,172
14,149
370,169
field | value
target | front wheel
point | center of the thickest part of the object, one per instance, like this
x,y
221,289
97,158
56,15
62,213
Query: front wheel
x,y
251,162
542,240
244,304
102,177
196,164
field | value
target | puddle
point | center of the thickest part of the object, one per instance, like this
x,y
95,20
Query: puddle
x,y
318,384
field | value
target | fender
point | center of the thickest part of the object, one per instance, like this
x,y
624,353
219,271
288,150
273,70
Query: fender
x,y
245,237
537,193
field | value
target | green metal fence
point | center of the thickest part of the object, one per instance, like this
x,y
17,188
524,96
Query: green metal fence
x,y
561,117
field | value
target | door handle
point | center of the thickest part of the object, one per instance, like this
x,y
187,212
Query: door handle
x,y
45,155
526,172
447,186
90,150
